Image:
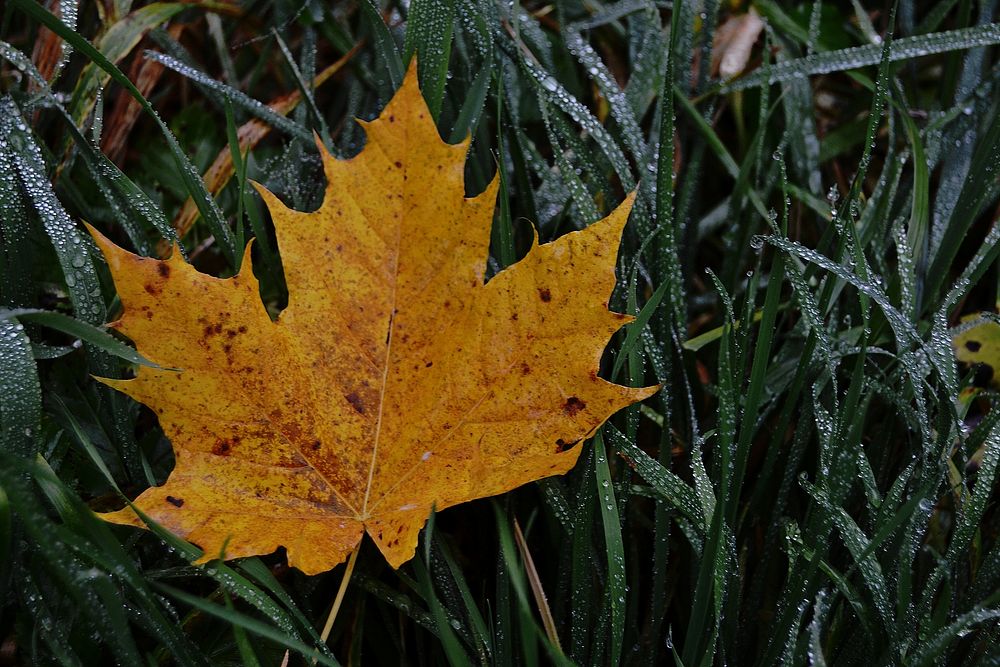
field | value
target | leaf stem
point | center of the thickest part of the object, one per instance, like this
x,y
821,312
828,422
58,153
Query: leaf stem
x,y
340,593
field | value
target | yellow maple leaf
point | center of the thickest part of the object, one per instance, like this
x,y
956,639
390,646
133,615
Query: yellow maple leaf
x,y
395,381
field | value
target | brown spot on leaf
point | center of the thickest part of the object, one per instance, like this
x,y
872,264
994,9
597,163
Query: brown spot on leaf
x,y
222,448
399,165
163,269
316,444
176,502
356,402
544,294
573,405
525,368
153,290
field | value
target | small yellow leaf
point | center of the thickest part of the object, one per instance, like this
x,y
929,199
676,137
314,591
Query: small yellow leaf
x,y
978,345
394,382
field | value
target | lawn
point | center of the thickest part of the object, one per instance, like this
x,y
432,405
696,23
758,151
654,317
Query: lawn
x,y
811,262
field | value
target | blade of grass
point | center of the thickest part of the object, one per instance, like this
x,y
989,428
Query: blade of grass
x,y
429,28
78,329
615,590
541,602
863,56
21,407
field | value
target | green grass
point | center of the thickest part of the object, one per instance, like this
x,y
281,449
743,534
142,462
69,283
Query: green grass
x,y
815,484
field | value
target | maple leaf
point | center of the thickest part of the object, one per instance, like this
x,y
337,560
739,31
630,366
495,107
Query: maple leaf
x,y
394,382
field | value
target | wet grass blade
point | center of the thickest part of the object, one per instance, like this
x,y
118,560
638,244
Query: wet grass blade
x,y
78,329
864,56
615,587
429,35
27,166
21,407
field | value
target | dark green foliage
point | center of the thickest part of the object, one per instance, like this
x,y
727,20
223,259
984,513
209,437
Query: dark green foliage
x,y
815,484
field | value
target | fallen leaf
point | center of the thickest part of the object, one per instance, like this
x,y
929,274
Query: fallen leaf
x,y
734,40
394,382
977,343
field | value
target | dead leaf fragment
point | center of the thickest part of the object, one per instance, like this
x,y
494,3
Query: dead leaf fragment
x,y
734,41
395,380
